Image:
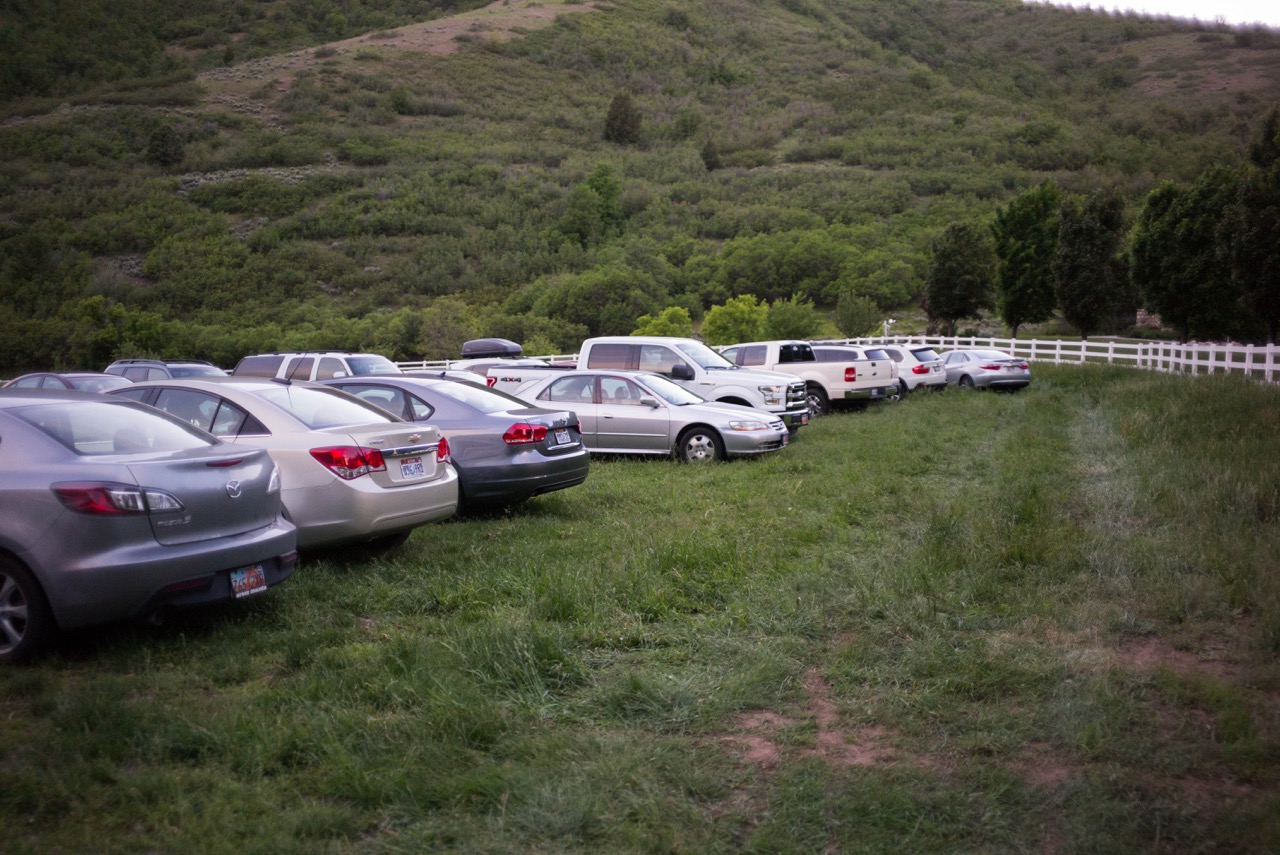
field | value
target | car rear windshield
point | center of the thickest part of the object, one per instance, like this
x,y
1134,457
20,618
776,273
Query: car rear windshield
x,y
322,408
196,371
104,427
478,397
925,354
364,365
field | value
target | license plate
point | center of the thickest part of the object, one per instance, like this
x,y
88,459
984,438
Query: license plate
x,y
248,580
562,437
804,419
411,467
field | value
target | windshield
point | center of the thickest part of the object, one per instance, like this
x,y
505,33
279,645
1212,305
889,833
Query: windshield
x,y
926,354
323,408
670,392
364,365
875,353
703,355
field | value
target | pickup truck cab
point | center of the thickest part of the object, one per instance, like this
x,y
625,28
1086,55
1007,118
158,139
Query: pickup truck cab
x,y
686,361
849,376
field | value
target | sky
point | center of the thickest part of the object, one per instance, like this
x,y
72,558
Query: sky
x,y
1208,11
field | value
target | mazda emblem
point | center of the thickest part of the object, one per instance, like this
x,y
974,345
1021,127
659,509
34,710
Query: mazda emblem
x,y
233,489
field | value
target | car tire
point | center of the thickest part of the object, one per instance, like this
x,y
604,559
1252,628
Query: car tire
x,y
965,382
699,445
26,623
819,403
902,392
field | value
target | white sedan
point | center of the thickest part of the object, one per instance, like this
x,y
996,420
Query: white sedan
x,y
633,412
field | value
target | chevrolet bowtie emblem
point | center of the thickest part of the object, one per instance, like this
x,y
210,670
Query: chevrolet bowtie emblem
x,y
415,437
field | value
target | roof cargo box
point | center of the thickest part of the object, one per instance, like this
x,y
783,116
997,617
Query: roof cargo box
x,y
489,348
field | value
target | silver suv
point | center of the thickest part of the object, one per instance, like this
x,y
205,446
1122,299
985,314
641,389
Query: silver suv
x,y
139,370
314,365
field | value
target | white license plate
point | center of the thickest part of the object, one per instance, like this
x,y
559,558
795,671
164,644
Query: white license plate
x,y
562,437
248,580
411,467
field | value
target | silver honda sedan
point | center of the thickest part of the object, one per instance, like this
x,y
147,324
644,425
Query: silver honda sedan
x,y
351,473
110,510
632,412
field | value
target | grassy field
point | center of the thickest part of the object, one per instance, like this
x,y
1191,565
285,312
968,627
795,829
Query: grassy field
x,y
1043,622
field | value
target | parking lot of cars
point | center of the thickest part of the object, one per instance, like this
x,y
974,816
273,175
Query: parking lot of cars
x,y
170,484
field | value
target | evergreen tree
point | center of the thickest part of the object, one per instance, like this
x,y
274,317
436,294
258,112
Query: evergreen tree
x,y
1090,273
960,277
622,124
1026,238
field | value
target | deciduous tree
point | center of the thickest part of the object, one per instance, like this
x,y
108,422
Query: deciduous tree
x,y
1026,238
960,277
1090,273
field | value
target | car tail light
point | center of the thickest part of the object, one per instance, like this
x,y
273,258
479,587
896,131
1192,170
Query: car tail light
x,y
524,433
104,499
349,462
920,369
442,451
990,367
1025,367
850,374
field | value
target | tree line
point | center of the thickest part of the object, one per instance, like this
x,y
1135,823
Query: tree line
x,y
1205,257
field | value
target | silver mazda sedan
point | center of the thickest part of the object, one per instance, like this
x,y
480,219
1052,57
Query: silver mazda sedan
x,y
110,510
632,412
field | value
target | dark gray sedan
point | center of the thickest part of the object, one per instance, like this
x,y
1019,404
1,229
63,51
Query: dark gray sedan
x,y
505,451
110,510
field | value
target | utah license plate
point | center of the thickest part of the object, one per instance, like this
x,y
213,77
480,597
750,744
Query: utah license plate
x,y
248,580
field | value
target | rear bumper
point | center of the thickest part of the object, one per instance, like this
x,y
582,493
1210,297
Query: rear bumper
x,y
875,393
514,482
127,582
351,511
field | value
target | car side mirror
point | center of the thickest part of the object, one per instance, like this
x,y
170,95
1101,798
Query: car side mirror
x,y
649,401
681,371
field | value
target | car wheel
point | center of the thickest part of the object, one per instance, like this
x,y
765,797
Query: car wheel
x,y
900,392
819,404
965,382
25,620
699,445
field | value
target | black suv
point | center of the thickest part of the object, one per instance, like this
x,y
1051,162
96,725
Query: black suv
x,y
138,370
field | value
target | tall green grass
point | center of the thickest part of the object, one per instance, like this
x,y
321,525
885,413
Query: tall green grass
x,y
1051,617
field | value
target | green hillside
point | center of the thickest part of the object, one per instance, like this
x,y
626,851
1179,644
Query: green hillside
x,y
225,178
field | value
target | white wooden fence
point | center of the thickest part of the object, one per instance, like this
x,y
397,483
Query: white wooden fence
x,y
1260,361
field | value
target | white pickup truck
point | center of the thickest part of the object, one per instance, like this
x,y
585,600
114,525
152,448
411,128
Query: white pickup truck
x,y
686,361
833,375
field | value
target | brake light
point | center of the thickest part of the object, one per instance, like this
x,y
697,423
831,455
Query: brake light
x,y
349,462
920,369
850,374
524,434
442,451
113,500
1025,367
990,367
